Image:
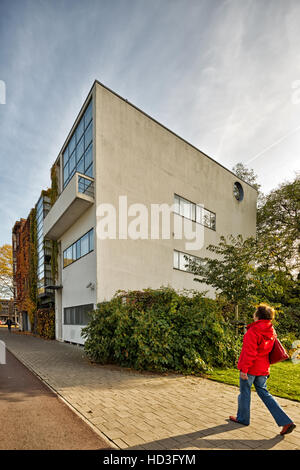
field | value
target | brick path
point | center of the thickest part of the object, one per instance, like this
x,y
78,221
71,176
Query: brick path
x,y
151,411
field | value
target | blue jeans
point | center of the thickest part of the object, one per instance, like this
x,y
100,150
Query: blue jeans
x,y
244,399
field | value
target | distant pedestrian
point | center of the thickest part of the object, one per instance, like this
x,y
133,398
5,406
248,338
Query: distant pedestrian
x,y
9,323
254,366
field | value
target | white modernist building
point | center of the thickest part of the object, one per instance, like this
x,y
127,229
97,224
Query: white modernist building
x,y
116,169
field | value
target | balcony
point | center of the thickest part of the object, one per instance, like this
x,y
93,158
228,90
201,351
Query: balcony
x,y
74,200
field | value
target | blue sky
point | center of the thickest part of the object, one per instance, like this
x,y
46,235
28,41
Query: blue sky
x,y
224,75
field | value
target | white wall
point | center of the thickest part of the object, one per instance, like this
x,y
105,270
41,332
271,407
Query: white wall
x,y
78,275
137,157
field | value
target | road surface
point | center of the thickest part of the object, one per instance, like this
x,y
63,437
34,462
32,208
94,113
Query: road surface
x,y
32,417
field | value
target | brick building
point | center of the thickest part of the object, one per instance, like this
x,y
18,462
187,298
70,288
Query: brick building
x,y
21,253
6,310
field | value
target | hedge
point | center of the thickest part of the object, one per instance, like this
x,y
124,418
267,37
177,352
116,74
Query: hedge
x,y
161,330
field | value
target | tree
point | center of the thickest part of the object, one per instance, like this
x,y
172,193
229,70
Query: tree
x,y
278,228
6,271
231,272
236,276
247,175
278,222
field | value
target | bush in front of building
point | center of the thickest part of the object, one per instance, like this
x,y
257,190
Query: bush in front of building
x,y
161,330
45,323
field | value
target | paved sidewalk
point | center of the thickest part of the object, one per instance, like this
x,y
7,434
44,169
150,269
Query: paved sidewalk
x,y
151,411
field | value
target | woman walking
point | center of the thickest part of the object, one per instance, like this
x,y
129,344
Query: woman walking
x,y
254,369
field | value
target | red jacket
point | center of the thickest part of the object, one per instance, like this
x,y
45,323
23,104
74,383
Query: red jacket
x,y
257,343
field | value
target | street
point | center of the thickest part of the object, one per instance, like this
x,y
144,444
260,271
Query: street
x,y
33,417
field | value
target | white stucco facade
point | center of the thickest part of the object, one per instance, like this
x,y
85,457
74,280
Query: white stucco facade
x,y
136,157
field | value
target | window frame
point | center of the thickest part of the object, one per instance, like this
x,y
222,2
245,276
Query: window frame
x,y
77,314
78,140
180,201
178,254
74,247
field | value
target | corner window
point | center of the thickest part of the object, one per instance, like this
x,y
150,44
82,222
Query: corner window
x,y
78,155
80,248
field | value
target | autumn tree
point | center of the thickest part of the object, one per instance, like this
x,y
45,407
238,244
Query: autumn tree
x,y
6,271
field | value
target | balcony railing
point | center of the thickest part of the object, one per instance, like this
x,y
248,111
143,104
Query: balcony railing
x,y
73,201
85,185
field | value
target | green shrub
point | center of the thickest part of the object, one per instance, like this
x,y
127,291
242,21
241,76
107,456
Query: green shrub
x,y
161,330
288,321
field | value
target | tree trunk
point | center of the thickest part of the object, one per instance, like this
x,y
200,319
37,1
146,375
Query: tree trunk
x,y
236,309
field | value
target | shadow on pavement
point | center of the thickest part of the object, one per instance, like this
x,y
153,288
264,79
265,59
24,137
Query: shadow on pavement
x,y
198,439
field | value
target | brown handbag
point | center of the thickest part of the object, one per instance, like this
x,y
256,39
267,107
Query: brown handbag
x,y
278,353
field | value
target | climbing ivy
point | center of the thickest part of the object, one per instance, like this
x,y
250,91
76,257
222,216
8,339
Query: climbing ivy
x,y
54,245
33,262
54,185
54,256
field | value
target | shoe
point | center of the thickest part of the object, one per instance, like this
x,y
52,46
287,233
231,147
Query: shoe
x,y
232,418
287,429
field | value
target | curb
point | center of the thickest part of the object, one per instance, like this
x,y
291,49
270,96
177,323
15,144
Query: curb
x,y
66,402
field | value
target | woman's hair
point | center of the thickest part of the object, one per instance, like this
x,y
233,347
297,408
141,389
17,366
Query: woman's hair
x,y
265,312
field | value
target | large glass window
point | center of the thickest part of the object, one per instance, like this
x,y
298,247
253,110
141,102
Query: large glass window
x,y
80,248
43,268
78,315
78,155
194,212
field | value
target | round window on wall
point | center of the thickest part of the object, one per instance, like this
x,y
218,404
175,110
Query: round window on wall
x,y
238,191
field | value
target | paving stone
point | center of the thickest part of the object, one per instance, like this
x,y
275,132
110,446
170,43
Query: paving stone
x,y
152,411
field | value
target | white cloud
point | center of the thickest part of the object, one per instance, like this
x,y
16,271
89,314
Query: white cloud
x,y
218,73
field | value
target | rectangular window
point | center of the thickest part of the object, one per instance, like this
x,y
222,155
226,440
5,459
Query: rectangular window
x,y
80,166
78,155
85,244
91,240
80,129
78,315
194,212
66,156
88,136
78,249
89,171
88,115
72,162
66,173
72,144
80,148
183,261
176,259
74,257
88,157
176,204
68,256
